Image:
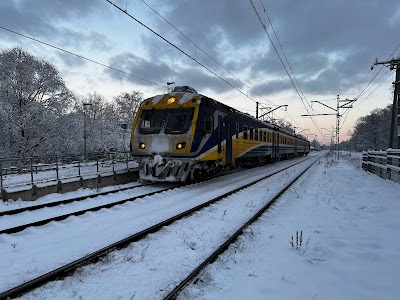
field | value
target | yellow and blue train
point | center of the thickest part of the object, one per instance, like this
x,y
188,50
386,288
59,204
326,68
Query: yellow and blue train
x,y
184,135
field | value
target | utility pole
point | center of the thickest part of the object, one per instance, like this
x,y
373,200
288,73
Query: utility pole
x,y
257,110
347,104
394,65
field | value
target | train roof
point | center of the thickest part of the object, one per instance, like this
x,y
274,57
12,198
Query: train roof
x,y
232,111
190,92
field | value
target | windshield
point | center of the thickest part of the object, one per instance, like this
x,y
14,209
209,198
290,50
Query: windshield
x,y
176,121
152,121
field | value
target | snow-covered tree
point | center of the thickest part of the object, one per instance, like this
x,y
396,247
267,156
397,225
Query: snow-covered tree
x,y
39,115
127,105
372,132
33,96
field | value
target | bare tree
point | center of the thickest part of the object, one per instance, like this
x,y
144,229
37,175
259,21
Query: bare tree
x,y
127,105
33,96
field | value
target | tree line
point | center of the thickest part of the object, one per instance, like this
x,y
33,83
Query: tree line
x,y
371,132
39,115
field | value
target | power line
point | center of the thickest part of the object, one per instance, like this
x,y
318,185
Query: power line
x,y
283,64
346,112
209,56
284,54
80,56
180,50
378,72
197,47
286,59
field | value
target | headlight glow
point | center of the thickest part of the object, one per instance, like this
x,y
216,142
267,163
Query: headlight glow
x,y
142,145
171,100
180,146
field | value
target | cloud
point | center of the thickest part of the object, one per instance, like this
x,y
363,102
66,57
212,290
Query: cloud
x,y
158,72
325,41
48,19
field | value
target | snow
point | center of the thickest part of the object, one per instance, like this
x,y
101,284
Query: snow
x,y
185,97
352,252
349,219
66,173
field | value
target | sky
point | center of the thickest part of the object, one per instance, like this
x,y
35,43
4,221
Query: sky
x,y
221,49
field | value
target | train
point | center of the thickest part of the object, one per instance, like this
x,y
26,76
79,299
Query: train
x,y
184,136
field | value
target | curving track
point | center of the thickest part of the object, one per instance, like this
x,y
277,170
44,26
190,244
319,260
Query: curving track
x,y
197,190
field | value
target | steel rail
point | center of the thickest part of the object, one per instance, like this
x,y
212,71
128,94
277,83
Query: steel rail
x,y
65,201
95,256
174,293
77,213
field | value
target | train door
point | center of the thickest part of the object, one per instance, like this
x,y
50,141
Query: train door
x,y
220,134
276,148
228,148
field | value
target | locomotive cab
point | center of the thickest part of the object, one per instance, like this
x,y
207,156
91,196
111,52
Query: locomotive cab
x,y
162,135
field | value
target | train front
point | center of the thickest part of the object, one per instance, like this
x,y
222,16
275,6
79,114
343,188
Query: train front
x,y
162,135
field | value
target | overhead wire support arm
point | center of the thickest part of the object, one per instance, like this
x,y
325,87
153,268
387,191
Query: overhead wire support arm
x,y
315,115
271,110
324,105
346,104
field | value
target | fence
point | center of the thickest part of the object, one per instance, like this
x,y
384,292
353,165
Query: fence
x,y
16,172
385,164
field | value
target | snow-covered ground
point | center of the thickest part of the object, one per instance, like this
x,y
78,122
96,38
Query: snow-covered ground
x,y
349,220
351,250
66,173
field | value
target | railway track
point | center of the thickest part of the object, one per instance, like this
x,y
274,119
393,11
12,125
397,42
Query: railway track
x,y
95,256
231,239
41,222
65,201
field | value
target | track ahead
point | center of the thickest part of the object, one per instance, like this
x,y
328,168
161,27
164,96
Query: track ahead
x,y
174,293
95,256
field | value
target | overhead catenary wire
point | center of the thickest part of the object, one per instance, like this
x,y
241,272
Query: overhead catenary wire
x,y
181,50
365,89
204,52
286,59
284,54
347,111
283,64
80,56
197,47
380,69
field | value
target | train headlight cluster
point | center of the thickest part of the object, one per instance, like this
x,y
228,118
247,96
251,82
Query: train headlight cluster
x,y
142,146
180,146
171,100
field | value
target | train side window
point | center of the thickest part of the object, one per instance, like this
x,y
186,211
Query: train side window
x,y
256,134
251,133
245,132
265,136
208,124
237,130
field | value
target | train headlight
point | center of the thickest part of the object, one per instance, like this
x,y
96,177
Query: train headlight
x,y
142,146
180,146
171,100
